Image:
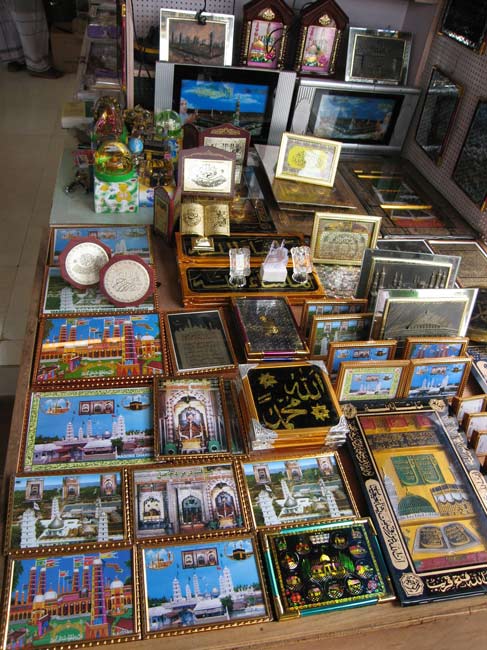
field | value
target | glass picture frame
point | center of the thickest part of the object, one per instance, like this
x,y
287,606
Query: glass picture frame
x,y
477,328
199,341
185,501
91,347
230,570
469,172
466,23
207,171
408,462
342,238
436,378
265,32
473,265
228,137
371,381
312,308
88,428
468,404
418,347
191,417
379,56
183,38
441,102
471,422
307,159
317,485
341,327
61,510
359,352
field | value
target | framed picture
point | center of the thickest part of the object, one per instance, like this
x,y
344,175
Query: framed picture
x,y
208,171
186,500
225,586
313,308
167,205
473,264
378,56
92,347
89,597
429,378
304,578
358,352
466,23
228,137
317,486
59,297
474,422
321,26
421,488
338,281
403,245
265,30
370,380
307,159
383,269
469,173
470,404
131,239
418,347
477,329
191,417
198,341
342,327
343,238
478,442
437,115
57,510
268,329
77,429
309,418
401,313
183,39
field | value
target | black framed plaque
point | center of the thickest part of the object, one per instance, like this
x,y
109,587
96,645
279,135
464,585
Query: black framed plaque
x,y
470,173
465,21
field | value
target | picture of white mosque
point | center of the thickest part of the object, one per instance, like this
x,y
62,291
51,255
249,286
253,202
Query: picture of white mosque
x,y
296,490
66,509
202,584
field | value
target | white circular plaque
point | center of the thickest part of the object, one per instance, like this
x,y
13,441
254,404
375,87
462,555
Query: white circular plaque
x,y
82,261
127,280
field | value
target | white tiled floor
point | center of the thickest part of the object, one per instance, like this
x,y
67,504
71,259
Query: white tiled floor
x,y
31,143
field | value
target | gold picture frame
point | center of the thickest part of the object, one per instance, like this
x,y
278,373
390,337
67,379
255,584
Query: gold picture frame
x,y
428,347
308,159
342,238
338,327
359,352
436,378
371,380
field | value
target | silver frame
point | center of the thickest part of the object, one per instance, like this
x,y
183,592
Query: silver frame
x,y
381,34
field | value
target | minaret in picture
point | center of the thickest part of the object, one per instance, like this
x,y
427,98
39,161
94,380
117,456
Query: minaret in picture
x,y
63,333
196,586
264,499
226,583
98,626
188,592
129,352
28,538
31,589
55,508
75,586
103,527
85,585
176,590
89,429
69,432
330,499
41,587
73,333
66,299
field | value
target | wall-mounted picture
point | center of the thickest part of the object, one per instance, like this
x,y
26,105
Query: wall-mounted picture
x,y
343,238
370,380
466,23
307,159
336,306
265,29
120,239
418,347
88,428
198,341
94,347
473,265
434,378
201,585
185,500
87,598
64,509
343,327
63,298
437,115
191,417
358,351
470,171
378,56
297,490
183,39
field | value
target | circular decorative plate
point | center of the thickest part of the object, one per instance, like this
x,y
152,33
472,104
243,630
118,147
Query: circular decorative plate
x,y
126,280
82,260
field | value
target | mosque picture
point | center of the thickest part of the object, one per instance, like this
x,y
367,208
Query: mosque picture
x,y
187,500
89,428
60,298
435,507
68,598
297,490
66,509
121,346
196,585
131,240
191,417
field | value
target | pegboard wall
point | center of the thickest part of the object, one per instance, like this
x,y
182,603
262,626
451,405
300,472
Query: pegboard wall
x,y
469,70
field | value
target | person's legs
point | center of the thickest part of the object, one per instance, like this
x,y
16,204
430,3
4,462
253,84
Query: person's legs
x,y
10,43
